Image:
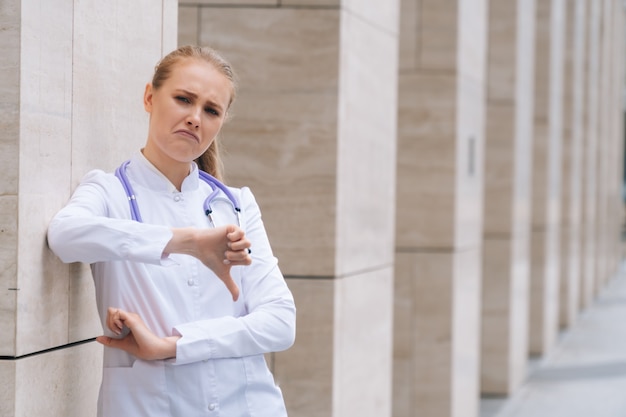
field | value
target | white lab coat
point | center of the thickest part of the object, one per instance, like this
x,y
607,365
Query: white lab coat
x,y
219,369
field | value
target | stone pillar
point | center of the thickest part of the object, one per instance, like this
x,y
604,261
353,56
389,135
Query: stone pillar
x,y
72,79
617,132
546,174
571,190
439,218
506,232
609,227
601,232
313,134
590,154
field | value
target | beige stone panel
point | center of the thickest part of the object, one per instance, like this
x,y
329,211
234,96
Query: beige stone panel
x,y
544,289
357,389
286,153
8,273
188,17
273,40
502,56
603,270
590,152
508,149
426,172
540,161
569,283
383,15
45,139
438,32
322,374
305,371
542,60
403,336
42,299
500,163
109,122
9,149
409,35
504,337
433,333
571,166
446,322
366,139
315,3
233,2
10,25
84,322
618,128
62,382
282,139
7,389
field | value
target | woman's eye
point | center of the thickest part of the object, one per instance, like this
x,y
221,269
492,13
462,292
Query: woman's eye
x,y
183,99
212,111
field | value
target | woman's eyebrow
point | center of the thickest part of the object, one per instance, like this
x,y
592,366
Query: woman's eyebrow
x,y
195,96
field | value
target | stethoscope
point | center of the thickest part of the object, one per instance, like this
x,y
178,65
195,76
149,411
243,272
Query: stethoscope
x,y
214,183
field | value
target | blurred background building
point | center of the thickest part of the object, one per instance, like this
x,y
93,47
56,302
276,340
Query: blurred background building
x,y
441,181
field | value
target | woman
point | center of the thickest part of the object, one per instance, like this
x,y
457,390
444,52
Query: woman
x,y
178,342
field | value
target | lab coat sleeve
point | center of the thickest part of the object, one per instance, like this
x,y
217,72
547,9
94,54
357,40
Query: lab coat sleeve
x,y
84,231
270,322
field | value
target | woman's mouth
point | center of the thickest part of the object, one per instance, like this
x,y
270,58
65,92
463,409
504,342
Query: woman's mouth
x,y
188,134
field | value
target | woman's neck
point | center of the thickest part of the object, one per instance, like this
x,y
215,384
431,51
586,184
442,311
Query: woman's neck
x,y
174,171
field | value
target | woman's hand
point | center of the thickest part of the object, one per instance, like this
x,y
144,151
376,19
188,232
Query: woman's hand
x,y
140,341
219,249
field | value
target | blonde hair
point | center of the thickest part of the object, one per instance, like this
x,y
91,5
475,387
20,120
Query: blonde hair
x,y
210,161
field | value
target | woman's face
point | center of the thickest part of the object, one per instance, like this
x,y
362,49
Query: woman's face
x,y
186,112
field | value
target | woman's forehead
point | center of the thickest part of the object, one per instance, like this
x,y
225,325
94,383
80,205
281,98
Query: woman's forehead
x,y
199,77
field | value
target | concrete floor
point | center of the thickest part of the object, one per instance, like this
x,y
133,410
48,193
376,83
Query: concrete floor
x,y
585,375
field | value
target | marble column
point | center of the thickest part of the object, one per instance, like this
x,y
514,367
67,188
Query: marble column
x,y
608,194
590,154
71,79
546,176
506,232
439,216
617,131
313,134
571,190
601,232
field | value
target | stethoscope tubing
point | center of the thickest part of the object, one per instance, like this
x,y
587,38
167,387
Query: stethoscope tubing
x,y
214,183
120,173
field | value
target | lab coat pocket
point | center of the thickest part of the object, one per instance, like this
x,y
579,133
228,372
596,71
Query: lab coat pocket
x,y
139,390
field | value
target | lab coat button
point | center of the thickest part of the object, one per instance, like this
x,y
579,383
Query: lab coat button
x,y
177,198
211,407
190,282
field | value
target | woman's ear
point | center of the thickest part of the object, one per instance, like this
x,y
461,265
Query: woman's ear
x,y
147,98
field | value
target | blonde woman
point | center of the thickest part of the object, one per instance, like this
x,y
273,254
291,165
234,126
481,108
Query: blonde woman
x,y
188,290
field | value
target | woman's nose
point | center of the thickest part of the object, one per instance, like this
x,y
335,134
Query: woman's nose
x,y
193,119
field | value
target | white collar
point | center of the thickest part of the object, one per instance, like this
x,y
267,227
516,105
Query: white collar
x,y
146,174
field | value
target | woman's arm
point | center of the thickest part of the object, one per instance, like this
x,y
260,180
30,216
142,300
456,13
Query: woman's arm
x,y
270,322
84,231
